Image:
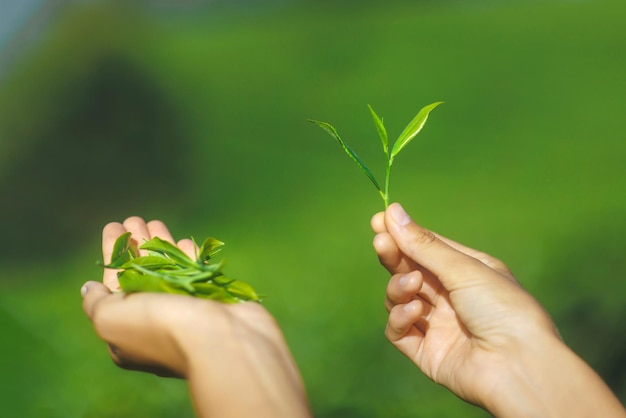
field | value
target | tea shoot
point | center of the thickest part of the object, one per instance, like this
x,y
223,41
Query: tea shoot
x,y
167,269
412,129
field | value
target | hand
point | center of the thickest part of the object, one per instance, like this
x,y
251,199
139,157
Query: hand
x,y
452,310
224,350
461,317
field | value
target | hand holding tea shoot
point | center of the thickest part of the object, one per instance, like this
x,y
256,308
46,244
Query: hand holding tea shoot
x,y
167,269
411,130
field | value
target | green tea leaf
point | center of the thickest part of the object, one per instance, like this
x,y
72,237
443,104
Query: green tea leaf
x,y
208,249
150,262
214,292
175,290
207,271
177,286
123,251
187,282
167,269
242,290
333,132
382,132
168,249
412,129
133,281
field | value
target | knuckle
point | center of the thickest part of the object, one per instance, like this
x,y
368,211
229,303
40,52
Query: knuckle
x,y
488,259
424,238
494,263
119,361
389,304
394,288
390,334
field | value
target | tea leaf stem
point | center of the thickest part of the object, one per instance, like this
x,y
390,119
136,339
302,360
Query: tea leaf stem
x,y
387,177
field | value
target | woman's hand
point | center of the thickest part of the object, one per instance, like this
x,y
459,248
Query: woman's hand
x,y
234,355
461,317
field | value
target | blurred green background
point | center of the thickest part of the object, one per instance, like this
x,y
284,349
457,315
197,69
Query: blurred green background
x,y
195,113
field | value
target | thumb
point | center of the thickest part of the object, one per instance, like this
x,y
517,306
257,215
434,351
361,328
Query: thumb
x,y
92,293
453,268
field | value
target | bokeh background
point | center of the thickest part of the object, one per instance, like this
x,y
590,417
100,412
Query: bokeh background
x,y
194,112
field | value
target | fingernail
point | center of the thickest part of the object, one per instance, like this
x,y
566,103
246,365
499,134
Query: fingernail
x,y
84,289
399,215
409,307
403,280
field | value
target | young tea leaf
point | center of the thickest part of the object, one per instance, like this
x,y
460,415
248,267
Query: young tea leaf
x,y
208,249
242,290
215,292
150,262
168,249
412,129
380,127
134,281
333,132
167,269
123,250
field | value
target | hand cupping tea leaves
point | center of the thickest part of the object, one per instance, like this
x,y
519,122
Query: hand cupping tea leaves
x,y
167,269
411,130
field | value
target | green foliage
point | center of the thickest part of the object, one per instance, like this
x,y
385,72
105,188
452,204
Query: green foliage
x,y
511,177
167,269
412,129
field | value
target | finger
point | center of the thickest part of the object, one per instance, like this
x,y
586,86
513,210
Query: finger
x,y
378,223
110,233
107,312
401,329
93,294
453,268
396,262
157,228
139,230
189,247
130,326
127,361
402,288
390,255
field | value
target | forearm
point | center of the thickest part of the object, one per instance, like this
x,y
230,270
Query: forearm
x,y
552,381
242,377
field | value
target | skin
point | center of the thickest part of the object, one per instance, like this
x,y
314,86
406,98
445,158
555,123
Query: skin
x,y
234,356
463,319
457,313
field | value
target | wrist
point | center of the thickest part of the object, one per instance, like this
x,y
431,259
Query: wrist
x,y
519,389
238,364
546,379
